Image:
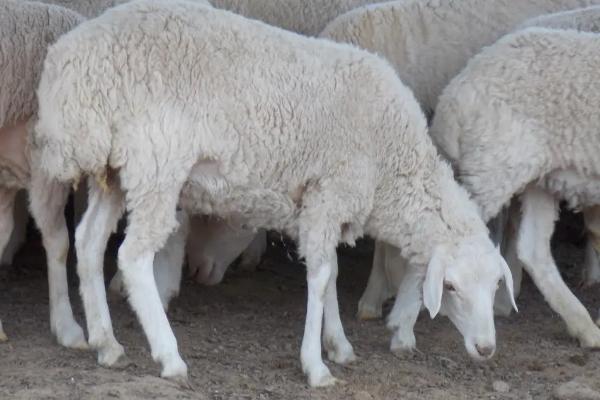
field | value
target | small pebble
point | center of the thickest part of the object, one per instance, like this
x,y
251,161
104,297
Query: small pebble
x,y
574,390
362,395
501,387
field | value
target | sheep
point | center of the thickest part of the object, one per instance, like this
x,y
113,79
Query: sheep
x,y
215,243
321,141
521,119
588,20
582,19
429,42
305,17
26,30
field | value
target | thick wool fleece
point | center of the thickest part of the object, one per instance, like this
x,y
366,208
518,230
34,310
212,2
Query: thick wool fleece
x,y
582,19
307,17
26,31
259,122
525,109
430,41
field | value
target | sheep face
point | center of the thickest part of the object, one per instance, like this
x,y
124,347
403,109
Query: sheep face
x,y
461,282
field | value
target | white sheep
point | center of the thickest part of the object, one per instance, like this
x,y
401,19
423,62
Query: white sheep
x,y
321,141
429,42
587,20
521,119
26,30
208,261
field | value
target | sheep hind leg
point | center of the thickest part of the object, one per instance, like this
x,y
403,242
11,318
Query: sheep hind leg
x,y
150,223
319,234
540,211
7,200
99,220
339,349
404,314
168,262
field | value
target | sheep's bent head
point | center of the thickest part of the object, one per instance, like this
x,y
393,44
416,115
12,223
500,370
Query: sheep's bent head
x,y
461,282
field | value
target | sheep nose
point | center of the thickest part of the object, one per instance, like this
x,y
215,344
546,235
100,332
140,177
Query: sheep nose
x,y
485,351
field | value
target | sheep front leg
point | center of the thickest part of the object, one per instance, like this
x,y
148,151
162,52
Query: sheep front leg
x,y
406,309
591,218
540,211
150,222
7,201
47,203
99,220
370,305
250,258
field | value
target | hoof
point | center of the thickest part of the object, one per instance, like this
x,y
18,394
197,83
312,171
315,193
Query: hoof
x,y
342,357
368,312
590,341
72,337
321,378
3,337
113,357
181,381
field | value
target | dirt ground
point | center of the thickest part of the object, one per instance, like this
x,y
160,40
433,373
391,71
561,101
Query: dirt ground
x,y
241,340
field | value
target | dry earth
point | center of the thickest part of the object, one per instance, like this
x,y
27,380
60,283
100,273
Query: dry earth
x,y
241,340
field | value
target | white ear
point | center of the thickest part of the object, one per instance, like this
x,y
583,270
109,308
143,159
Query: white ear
x,y
508,281
434,282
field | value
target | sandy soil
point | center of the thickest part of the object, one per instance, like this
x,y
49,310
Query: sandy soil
x,y
241,340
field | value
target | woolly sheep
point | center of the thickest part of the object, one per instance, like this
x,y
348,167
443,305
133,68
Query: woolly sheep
x,y
429,42
209,261
26,30
522,118
588,20
168,137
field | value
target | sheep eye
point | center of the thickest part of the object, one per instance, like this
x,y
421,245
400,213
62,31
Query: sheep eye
x,y
449,287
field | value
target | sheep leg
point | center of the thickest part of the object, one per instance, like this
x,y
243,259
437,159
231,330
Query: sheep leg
x,y
168,266
319,233
251,257
591,217
404,314
502,302
150,223
370,305
7,200
91,237
47,204
540,211
339,349
168,262
18,237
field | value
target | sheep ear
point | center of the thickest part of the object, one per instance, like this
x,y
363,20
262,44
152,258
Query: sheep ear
x,y
434,282
508,281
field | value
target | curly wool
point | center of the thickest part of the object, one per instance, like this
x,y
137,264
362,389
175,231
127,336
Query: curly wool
x,y
582,19
309,118
525,110
22,52
430,41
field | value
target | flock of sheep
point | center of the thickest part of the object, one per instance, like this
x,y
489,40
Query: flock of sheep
x,y
416,122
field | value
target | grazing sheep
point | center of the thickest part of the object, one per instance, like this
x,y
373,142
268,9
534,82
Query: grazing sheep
x,y
321,141
521,119
26,30
429,42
